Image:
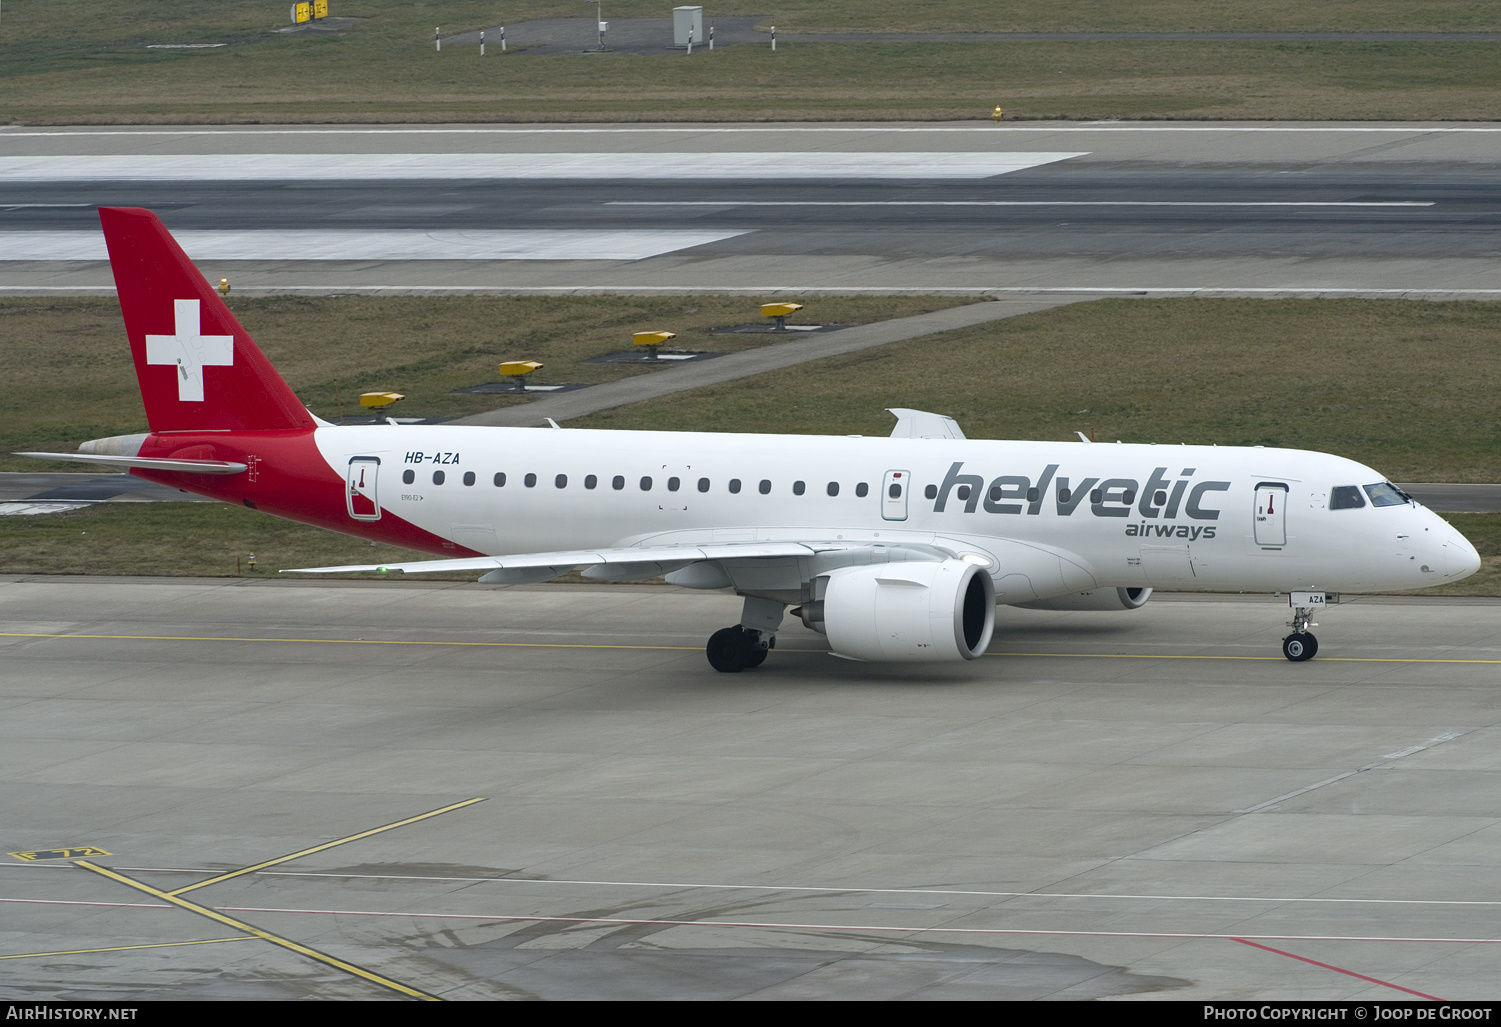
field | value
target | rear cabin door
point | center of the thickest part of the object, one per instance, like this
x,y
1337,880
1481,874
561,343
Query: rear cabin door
x,y
1271,513
894,491
360,495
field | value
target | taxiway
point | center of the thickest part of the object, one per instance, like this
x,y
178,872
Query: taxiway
x,y
1152,804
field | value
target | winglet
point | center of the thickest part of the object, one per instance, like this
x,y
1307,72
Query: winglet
x,y
920,424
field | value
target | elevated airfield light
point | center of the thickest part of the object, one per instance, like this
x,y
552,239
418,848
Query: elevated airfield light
x,y
517,370
780,311
652,341
379,403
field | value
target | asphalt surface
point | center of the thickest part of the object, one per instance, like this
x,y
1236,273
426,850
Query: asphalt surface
x,y
1148,804
1163,208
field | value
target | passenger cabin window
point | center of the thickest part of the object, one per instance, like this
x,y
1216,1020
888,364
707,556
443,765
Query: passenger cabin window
x,y
931,492
799,487
833,488
618,482
590,481
1384,493
561,481
862,490
765,487
895,492
646,483
1345,497
468,477
500,479
703,484
530,481
734,486
438,477
673,484
408,476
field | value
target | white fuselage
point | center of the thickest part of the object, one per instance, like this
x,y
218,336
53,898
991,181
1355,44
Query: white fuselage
x,y
1052,517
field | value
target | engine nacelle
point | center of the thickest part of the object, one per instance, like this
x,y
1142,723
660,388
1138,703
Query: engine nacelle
x,y
1096,599
905,612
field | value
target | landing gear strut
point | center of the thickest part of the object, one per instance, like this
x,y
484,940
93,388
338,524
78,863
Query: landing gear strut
x,y
731,650
1301,645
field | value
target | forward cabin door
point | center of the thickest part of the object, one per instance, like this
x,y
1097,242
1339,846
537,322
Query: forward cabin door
x,y
360,495
894,491
1271,513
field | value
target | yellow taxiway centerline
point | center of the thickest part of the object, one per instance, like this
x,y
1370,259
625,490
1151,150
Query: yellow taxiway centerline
x,y
127,948
326,845
251,929
694,648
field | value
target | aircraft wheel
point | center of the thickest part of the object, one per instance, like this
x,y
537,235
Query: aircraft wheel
x,y
758,655
1299,646
730,650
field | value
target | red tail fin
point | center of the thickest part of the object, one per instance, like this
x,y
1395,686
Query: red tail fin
x,y
198,369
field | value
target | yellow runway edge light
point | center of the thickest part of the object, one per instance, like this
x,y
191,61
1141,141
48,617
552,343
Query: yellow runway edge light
x,y
511,368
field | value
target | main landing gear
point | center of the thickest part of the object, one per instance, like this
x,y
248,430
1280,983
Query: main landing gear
x,y
1301,645
738,648
745,645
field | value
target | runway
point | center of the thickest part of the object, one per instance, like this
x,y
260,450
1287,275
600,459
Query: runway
x,y
367,790
1258,209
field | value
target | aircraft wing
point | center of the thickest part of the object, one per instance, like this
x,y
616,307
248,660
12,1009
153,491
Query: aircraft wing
x,y
680,554
152,463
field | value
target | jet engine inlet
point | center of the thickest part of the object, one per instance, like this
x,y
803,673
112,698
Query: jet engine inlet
x,y
905,612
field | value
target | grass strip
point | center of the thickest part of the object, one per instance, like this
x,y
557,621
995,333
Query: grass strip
x,y
89,61
69,375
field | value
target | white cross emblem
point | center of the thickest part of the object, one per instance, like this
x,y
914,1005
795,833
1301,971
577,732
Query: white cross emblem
x,y
190,350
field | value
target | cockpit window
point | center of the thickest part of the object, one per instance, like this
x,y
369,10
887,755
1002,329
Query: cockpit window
x,y
1345,497
1384,493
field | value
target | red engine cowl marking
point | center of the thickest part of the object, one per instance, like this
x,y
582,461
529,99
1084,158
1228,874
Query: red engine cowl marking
x,y
288,477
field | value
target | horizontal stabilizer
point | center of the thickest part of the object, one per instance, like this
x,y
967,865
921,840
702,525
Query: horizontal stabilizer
x,y
585,557
150,463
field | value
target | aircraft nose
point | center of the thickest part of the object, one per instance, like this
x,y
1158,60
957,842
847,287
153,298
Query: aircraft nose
x,y
1460,558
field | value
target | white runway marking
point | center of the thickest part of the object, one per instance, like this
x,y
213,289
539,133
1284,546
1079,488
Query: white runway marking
x,y
297,244
1020,203
296,167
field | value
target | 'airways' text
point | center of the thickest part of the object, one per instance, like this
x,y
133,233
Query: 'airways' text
x,y
1190,532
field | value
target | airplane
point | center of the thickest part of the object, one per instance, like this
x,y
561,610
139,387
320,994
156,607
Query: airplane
x,y
896,549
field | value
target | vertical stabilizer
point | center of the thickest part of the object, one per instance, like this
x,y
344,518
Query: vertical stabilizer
x,y
198,368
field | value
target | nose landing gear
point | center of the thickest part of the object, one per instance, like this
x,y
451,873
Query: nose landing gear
x,y
1301,644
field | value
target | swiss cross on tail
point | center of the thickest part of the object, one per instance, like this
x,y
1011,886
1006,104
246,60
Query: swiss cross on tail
x,y
179,327
190,350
